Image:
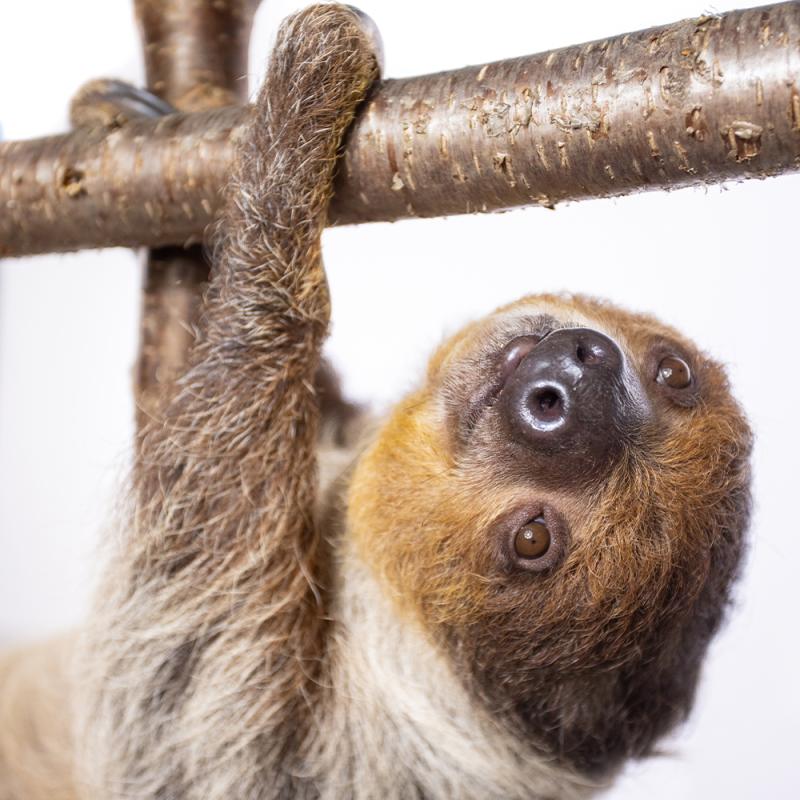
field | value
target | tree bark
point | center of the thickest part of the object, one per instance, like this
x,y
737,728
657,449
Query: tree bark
x,y
700,101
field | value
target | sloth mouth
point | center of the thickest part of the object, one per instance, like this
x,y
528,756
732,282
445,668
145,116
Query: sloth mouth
x,y
505,364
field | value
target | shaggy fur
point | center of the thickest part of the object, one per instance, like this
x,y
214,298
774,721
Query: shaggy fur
x,y
304,611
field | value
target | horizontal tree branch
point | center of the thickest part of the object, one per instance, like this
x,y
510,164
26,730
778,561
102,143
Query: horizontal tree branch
x,y
699,101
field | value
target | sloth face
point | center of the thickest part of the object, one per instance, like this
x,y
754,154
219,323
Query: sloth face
x,y
561,507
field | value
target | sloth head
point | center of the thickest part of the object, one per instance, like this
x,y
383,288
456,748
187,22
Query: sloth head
x,y
561,508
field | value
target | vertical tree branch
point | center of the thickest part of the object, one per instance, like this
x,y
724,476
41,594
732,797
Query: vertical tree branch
x,y
195,57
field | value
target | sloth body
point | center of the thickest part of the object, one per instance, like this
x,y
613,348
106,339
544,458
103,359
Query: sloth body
x,y
346,609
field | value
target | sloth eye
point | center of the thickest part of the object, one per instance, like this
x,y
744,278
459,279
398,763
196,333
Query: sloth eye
x,y
532,539
674,372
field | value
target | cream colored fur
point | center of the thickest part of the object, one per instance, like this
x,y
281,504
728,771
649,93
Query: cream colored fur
x,y
400,724
36,754
403,726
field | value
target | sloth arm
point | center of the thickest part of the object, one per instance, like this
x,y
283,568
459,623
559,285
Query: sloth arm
x,y
226,486
195,675
214,610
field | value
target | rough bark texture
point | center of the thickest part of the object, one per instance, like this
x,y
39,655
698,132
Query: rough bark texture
x,y
700,101
150,182
195,55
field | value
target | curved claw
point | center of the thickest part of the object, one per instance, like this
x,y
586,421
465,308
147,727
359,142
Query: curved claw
x,y
110,103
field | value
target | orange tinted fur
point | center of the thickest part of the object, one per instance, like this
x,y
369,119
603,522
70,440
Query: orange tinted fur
x,y
421,523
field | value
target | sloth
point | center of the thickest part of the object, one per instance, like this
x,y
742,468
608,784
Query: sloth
x,y
503,589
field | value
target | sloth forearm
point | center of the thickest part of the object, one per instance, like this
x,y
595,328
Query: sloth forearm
x,y
212,621
225,487
246,419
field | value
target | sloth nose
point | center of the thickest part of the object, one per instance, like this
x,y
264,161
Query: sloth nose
x,y
571,392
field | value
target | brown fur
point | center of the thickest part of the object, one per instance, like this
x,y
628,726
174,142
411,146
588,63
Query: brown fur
x,y
263,636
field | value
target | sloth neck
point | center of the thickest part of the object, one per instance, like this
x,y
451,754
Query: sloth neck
x,y
399,723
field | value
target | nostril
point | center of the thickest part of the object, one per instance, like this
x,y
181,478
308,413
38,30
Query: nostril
x,y
547,404
548,400
589,354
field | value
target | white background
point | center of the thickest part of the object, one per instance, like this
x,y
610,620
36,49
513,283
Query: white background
x,y
721,264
